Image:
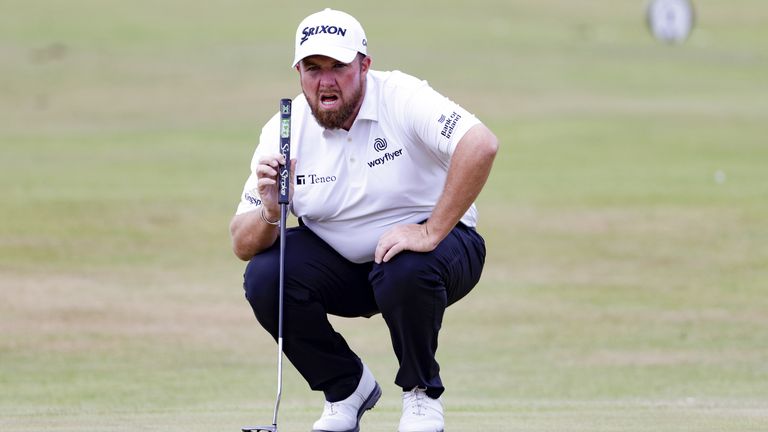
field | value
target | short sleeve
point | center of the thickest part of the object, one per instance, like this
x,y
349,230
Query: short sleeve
x,y
268,143
438,121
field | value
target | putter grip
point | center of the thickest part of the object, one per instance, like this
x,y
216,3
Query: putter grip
x,y
284,182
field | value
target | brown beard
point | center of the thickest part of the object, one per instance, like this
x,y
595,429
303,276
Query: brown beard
x,y
336,119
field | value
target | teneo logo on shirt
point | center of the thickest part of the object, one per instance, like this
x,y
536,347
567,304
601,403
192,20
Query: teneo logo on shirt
x,y
311,31
450,124
303,179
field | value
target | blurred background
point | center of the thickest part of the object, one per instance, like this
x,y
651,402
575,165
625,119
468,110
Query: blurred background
x,y
626,217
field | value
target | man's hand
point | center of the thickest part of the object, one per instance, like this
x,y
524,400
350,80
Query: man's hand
x,y
410,237
250,233
470,165
267,173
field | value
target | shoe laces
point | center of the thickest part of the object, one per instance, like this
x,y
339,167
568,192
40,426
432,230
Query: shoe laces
x,y
414,401
330,409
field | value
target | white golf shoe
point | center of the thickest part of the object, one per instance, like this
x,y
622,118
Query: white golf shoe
x,y
421,413
344,415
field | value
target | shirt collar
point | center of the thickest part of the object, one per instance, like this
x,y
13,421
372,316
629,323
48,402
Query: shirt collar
x,y
369,110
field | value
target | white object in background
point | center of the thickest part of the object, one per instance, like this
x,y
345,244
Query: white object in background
x,y
720,177
670,20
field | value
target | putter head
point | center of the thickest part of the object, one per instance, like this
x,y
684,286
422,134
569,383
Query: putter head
x,y
272,428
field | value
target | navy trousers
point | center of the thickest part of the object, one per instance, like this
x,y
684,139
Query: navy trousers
x,y
411,291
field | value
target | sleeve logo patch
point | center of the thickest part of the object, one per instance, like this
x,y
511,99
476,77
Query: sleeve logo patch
x,y
251,199
450,124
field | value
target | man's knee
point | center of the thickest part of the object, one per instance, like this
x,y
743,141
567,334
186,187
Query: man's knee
x,y
407,279
260,283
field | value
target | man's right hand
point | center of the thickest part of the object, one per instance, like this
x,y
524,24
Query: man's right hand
x,y
267,174
250,234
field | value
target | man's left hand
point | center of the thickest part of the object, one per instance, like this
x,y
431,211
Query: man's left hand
x,y
412,237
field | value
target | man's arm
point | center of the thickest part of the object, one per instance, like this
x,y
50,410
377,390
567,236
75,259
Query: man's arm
x,y
470,166
250,233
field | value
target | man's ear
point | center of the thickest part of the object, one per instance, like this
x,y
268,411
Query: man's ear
x,y
365,64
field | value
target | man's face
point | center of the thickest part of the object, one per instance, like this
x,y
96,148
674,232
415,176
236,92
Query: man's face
x,y
334,90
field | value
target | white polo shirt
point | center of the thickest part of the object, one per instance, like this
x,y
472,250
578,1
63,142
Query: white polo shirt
x,y
388,169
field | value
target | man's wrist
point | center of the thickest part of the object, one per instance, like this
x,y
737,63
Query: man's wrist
x,y
268,218
433,237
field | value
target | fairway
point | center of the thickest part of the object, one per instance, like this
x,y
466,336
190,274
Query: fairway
x,y
626,217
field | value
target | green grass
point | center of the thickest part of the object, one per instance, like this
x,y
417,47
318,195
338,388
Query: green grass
x,y
624,288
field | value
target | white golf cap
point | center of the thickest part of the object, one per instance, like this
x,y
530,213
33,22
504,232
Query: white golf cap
x,y
330,33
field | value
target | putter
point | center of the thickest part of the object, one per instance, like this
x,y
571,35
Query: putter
x,y
282,199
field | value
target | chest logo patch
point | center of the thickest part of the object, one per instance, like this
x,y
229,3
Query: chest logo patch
x,y
312,179
380,144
